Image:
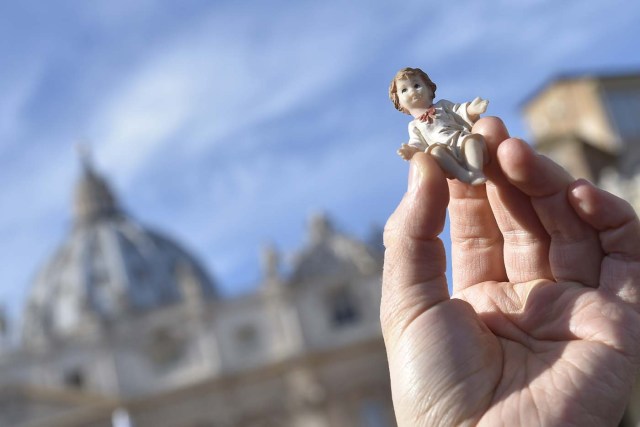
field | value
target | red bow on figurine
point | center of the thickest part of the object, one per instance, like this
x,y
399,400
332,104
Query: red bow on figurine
x,y
428,115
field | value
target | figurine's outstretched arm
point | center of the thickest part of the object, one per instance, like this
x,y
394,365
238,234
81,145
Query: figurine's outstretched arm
x,y
477,107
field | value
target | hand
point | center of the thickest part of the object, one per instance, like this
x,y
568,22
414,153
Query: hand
x,y
543,327
407,151
477,107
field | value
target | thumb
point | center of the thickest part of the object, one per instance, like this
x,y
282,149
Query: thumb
x,y
415,263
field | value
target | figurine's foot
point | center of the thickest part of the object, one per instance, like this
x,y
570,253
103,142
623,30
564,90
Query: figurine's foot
x,y
478,179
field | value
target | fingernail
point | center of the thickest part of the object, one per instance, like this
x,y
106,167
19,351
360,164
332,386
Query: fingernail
x,y
575,187
415,176
579,196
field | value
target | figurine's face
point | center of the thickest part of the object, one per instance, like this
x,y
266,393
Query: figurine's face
x,y
414,93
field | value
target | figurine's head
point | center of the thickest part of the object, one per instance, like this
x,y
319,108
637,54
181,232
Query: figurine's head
x,y
408,74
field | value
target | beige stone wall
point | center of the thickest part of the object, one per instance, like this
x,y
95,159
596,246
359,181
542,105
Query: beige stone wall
x,y
571,108
330,389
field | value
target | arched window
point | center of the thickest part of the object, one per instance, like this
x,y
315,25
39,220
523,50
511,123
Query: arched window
x,y
247,338
343,310
74,378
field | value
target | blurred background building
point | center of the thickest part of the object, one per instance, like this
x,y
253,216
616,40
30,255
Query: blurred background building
x,y
590,124
124,327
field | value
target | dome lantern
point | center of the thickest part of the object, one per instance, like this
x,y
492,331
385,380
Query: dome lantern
x,y
93,197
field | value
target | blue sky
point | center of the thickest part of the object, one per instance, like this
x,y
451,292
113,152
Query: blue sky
x,y
226,124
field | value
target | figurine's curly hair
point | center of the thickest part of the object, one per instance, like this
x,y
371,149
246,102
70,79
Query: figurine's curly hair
x,y
404,74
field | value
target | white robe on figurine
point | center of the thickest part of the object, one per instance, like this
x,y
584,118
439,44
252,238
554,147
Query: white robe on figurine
x,y
449,127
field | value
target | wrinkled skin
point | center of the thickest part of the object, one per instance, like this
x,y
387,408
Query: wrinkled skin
x,y
543,326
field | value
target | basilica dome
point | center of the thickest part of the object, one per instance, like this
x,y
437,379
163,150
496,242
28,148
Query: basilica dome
x,y
108,267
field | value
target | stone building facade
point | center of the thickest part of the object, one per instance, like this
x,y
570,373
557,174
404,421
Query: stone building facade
x,y
124,327
590,124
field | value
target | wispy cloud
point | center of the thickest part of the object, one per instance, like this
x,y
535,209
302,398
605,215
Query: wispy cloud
x,y
209,84
226,129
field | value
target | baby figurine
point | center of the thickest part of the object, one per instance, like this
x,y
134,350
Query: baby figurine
x,y
442,129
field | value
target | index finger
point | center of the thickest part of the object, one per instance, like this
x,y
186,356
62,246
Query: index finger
x,y
414,261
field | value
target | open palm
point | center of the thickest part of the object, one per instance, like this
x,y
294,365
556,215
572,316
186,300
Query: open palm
x,y
543,325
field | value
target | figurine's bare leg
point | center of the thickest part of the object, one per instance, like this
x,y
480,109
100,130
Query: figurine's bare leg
x,y
473,155
449,164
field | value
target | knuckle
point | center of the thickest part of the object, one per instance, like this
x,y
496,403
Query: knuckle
x,y
392,229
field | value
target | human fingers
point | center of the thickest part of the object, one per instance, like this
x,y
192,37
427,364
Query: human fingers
x,y
574,250
525,241
476,241
619,234
415,263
